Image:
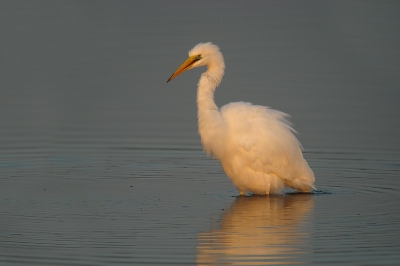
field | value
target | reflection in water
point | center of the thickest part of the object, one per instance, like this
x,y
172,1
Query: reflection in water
x,y
259,231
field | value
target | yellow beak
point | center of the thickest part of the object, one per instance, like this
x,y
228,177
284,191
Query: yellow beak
x,y
185,66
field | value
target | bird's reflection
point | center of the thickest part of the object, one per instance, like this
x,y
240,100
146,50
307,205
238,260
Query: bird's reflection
x,y
259,231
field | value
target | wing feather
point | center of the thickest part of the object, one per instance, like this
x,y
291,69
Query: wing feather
x,y
264,140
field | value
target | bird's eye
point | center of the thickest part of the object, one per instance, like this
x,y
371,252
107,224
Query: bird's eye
x,y
198,57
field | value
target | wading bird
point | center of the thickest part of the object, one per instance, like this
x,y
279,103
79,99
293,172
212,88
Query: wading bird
x,y
255,144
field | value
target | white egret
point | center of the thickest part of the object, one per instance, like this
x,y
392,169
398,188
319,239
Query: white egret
x,y
256,145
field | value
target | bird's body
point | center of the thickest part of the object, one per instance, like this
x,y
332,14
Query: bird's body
x,y
256,145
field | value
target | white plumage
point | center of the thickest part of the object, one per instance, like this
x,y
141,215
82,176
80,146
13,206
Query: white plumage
x,y
256,145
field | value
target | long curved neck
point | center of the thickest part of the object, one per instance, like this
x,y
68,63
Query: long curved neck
x,y
209,117
206,88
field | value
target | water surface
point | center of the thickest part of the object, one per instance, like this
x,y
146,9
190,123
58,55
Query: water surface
x,y
101,164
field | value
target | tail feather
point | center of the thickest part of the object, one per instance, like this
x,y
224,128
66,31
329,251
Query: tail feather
x,y
300,185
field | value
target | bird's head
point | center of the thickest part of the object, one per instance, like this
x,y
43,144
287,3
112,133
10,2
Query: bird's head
x,y
201,55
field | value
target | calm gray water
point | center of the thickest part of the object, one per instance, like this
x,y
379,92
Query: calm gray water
x,y
101,164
